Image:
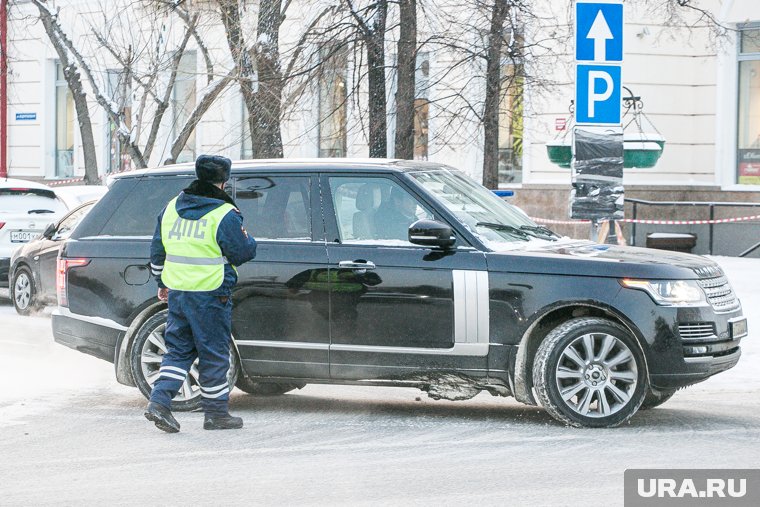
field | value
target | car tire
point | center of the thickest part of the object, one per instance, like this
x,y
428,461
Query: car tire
x,y
147,349
23,292
590,372
654,398
259,388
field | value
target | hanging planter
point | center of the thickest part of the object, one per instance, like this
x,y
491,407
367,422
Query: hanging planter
x,y
642,150
642,147
559,153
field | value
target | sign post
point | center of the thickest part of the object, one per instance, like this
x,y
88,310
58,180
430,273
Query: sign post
x,y
597,175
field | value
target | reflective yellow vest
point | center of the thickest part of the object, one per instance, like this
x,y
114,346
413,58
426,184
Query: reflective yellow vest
x,y
194,261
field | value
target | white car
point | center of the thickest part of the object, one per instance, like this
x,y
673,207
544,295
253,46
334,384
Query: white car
x,y
26,208
75,195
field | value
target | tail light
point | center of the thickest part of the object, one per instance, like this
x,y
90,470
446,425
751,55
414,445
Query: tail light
x,y
61,276
2,224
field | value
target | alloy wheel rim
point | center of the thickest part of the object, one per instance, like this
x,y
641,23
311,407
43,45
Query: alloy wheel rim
x,y
152,353
596,375
22,291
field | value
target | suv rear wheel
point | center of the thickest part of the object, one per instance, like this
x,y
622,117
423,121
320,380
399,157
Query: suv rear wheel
x,y
147,352
590,372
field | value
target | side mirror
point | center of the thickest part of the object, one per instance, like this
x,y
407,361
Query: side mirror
x,y
49,231
431,233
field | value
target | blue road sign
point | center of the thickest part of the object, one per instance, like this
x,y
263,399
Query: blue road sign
x,y
597,94
26,116
599,32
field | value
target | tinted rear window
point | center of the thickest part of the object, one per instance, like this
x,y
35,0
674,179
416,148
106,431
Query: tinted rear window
x,y
137,213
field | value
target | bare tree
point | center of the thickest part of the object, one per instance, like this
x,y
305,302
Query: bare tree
x,y
124,55
405,79
499,13
74,82
258,72
371,24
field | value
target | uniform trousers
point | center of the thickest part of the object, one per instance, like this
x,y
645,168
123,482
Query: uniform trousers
x,y
198,326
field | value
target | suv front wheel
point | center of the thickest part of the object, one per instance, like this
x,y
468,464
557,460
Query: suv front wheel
x,y
590,372
147,352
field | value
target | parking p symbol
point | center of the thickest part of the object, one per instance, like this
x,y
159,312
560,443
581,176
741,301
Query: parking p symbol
x,y
598,94
593,96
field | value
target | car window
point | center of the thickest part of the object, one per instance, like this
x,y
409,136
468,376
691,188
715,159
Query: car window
x,y
72,219
138,212
275,207
374,210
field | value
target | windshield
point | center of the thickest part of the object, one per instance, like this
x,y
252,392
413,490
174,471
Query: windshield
x,y
72,219
496,223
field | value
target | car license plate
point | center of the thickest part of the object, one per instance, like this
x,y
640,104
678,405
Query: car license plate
x,y
23,236
739,328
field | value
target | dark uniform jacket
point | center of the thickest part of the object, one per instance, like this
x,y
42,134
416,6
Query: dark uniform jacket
x,y
194,202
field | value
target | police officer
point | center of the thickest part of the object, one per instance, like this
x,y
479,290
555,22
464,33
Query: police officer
x,y
199,239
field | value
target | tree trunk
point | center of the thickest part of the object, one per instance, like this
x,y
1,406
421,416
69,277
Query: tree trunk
x,y
407,59
262,93
375,41
71,74
246,74
267,137
493,95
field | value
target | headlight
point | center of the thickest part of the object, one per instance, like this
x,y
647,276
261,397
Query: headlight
x,y
670,292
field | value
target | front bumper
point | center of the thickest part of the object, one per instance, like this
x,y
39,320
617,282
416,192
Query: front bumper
x,y
683,345
700,370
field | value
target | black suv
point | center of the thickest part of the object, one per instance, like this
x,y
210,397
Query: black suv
x,y
396,273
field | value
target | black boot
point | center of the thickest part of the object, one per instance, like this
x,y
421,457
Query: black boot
x,y
222,422
162,416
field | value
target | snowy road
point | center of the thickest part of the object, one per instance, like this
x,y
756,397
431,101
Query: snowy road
x,y
69,434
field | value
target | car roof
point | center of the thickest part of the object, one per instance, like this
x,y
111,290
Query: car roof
x,y
296,165
17,183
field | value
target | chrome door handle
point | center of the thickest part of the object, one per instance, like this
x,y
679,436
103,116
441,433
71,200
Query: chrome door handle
x,y
356,265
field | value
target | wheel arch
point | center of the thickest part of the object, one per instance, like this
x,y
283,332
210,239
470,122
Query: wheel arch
x,y
544,322
124,344
20,263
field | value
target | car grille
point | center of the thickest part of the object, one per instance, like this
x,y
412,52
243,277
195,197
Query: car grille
x,y
719,293
694,333
700,340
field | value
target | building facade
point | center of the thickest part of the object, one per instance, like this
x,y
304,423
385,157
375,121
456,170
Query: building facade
x,y
700,91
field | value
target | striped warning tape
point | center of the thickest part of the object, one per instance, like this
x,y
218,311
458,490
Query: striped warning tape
x,y
65,182
652,222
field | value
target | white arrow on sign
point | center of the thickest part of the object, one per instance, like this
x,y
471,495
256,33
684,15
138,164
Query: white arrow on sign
x,y
600,33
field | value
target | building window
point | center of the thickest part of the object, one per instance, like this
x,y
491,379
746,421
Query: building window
x,y
332,102
64,126
184,101
511,123
421,105
120,92
748,142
